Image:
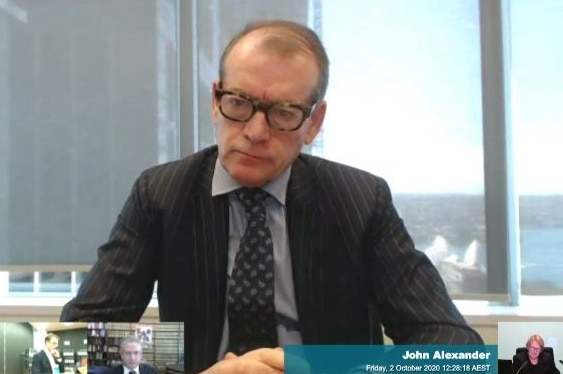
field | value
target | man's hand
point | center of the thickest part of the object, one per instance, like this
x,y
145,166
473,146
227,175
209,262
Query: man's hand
x,y
259,361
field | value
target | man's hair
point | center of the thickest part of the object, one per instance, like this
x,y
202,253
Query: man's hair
x,y
50,336
537,338
286,38
129,339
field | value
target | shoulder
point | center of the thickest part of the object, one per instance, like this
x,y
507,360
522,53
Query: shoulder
x,y
335,177
148,369
116,369
328,167
166,181
520,357
522,354
191,164
547,359
40,354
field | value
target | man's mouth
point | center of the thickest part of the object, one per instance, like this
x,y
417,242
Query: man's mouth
x,y
253,156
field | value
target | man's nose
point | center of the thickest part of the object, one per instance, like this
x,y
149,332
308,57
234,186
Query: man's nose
x,y
257,128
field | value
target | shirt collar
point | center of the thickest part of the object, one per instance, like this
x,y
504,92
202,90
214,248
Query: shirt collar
x,y
223,183
126,370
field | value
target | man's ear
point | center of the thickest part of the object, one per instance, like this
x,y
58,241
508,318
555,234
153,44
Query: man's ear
x,y
214,106
317,119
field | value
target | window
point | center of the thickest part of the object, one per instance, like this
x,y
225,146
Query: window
x,y
88,99
91,94
405,88
412,102
537,57
411,85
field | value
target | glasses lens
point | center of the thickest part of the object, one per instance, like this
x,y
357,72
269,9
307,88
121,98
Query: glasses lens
x,y
281,116
285,117
236,107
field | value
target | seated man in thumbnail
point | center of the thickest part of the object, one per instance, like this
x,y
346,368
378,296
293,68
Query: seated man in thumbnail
x,y
131,351
534,359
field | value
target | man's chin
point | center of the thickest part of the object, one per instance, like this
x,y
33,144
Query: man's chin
x,y
251,183
249,178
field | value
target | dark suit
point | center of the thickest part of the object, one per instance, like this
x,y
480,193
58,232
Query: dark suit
x,y
354,264
41,365
143,369
545,365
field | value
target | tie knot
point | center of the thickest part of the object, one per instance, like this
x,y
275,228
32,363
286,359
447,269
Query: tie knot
x,y
252,199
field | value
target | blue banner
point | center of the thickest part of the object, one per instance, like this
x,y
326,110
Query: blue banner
x,y
364,359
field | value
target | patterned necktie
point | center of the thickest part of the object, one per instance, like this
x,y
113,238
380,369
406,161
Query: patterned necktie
x,y
251,310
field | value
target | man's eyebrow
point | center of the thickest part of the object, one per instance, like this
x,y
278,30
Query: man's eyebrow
x,y
248,96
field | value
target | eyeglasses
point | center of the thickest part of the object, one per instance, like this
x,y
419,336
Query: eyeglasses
x,y
279,115
534,349
132,353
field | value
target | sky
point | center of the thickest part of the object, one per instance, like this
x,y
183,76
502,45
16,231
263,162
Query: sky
x,y
404,100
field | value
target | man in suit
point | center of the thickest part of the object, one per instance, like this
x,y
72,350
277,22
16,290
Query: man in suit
x,y
344,264
534,359
48,360
131,352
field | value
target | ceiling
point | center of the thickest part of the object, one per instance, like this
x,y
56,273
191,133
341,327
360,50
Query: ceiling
x,y
57,326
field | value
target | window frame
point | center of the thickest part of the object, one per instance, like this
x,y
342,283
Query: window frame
x,y
501,200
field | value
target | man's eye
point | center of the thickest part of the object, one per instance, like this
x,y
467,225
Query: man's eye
x,y
237,101
285,113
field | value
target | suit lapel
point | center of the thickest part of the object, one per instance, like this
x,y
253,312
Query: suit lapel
x,y
324,251
209,223
46,361
307,226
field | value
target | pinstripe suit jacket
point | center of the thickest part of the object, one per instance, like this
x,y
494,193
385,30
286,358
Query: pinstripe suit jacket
x,y
354,264
143,369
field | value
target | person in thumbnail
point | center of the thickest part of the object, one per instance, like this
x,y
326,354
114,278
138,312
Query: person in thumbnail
x,y
48,360
131,352
254,244
534,359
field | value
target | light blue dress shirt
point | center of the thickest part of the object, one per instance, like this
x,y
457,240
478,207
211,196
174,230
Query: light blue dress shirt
x,y
284,294
128,371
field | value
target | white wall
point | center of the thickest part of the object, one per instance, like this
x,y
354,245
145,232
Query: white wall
x,y
39,339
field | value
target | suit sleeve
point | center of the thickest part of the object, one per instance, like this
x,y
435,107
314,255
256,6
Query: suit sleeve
x,y
120,284
550,363
36,364
147,369
411,297
517,362
61,366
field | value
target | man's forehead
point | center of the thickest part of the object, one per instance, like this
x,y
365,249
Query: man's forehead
x,y
272,41
132,345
